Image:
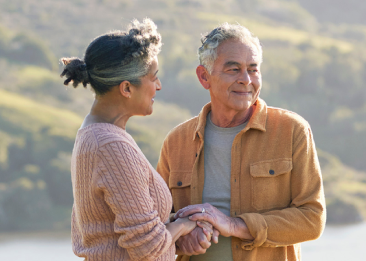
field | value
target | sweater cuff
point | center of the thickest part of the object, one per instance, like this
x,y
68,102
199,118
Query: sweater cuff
x,y
257,227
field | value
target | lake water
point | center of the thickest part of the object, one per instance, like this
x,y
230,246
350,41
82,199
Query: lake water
x,y
336,244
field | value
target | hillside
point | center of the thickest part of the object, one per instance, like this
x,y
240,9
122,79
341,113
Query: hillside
x,y
35,186
345,190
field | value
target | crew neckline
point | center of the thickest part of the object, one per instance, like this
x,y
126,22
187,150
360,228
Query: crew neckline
x,y
106,124
224,130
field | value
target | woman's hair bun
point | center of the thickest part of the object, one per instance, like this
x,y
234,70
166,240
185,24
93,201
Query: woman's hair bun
x,y
75,70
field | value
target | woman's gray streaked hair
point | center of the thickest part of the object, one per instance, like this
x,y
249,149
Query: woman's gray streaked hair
x,y
207,53
115,57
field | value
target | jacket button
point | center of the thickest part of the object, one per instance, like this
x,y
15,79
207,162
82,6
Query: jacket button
x,y
179,183
271,171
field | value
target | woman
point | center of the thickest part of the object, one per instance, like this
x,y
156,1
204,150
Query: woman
x,y
121,204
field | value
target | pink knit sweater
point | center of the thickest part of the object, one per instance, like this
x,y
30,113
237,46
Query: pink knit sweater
x,y
120,202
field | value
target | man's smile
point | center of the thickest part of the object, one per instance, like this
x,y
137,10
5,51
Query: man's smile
x,y
242,93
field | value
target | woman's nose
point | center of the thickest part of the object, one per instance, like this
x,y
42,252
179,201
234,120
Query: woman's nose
x,y
158,85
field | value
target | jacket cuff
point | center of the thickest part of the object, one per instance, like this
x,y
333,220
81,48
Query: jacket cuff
x,y
257,227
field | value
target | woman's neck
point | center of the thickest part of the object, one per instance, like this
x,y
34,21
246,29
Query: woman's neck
x,y
108,110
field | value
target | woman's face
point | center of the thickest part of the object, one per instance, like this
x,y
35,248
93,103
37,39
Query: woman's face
x,y
143,96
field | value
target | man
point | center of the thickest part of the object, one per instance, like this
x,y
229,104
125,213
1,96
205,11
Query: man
x,y
254,167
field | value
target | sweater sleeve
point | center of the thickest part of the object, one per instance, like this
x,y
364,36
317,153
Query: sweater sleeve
x,y
124,181
304,219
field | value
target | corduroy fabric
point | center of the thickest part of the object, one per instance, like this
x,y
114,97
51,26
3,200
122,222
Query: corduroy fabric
x,y
120,202
276,183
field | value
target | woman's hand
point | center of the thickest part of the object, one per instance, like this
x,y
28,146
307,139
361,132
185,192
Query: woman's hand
x,y
207,228
187,224
206,212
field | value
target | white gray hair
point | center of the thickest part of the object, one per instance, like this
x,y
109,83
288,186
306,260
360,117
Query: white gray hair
x,y
207,53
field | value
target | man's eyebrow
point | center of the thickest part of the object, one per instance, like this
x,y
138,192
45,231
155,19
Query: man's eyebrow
x,y
156,73
231,63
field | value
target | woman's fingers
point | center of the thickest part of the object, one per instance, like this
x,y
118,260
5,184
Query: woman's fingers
x,y
206,225
215,236
210,234
207,230
207,234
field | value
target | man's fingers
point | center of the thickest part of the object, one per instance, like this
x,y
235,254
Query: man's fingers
x,y
180,211
185,247
193,243
215,236
202,217
196,247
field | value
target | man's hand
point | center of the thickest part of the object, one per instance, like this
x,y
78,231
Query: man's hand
x,y
194,243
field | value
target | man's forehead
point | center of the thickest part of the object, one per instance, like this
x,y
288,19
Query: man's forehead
x,y
232,51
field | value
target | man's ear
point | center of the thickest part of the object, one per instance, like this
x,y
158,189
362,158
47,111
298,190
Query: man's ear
x,y
203,76
125,89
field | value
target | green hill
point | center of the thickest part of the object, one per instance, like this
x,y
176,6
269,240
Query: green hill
x,y
345,190
35,186
20,115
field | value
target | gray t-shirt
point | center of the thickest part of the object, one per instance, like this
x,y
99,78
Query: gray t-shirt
x,y
217,189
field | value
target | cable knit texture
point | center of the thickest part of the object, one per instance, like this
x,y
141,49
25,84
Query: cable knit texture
x,y
120,202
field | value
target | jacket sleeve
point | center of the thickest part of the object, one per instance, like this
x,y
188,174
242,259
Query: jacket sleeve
x,y
163,165
124,181
304,219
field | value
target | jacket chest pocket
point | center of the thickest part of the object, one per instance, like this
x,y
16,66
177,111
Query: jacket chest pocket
x,y
180,187
271,184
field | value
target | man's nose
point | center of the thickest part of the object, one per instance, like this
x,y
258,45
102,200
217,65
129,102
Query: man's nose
x,y
244,78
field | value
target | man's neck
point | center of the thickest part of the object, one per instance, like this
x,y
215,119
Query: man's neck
x,y
229,118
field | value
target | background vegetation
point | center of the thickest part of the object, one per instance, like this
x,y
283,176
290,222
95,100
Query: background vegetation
x,y
314,64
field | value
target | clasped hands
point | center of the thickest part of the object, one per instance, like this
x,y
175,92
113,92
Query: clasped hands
x,y
210,223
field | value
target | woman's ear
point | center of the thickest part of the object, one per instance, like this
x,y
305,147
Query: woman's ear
x,y
125,89
203,76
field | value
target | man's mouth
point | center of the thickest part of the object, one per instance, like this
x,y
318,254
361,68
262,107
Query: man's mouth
x,y
242,93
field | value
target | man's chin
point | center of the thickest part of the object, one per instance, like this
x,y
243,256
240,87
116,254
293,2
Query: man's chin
x,y
242,107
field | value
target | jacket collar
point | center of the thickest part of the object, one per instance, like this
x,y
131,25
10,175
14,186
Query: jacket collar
x,y
257,121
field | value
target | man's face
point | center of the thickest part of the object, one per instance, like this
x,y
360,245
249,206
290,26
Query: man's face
x,y
235,81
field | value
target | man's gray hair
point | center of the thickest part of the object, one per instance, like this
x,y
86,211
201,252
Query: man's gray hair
x,y
207,53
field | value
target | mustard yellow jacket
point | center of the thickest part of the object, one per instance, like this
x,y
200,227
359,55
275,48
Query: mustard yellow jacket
x,y
276,183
